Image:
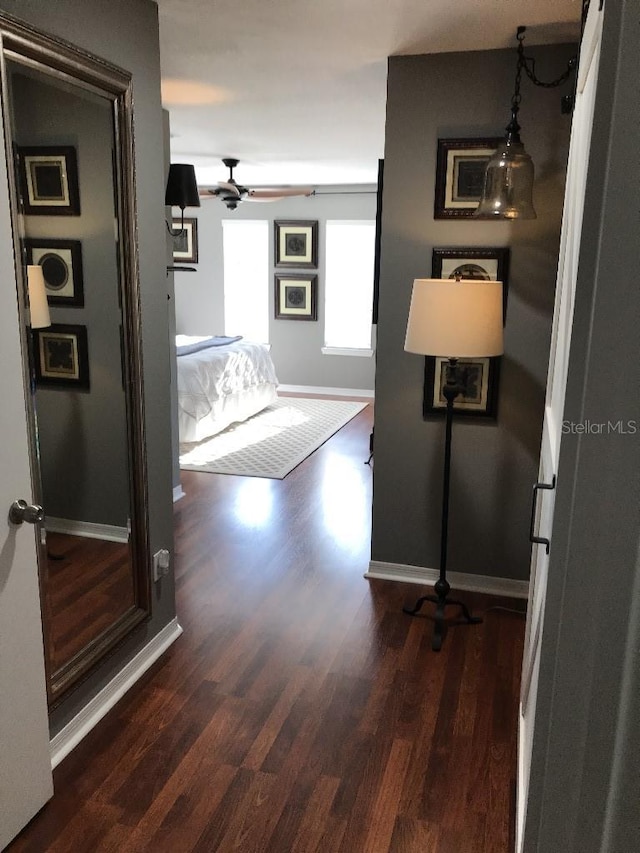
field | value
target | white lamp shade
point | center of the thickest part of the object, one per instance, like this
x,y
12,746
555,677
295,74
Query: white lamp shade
x,y
38,305
455,319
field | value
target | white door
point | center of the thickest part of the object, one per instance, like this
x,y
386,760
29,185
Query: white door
x,y
25,762
556,387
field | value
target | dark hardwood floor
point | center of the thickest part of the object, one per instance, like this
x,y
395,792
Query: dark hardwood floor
x,y
90,585
301,710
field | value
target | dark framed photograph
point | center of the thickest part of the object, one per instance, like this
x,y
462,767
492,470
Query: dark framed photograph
x,y
61,357
185,244
296,297
49,178
477,376
491,264
61,262
296,244
460,169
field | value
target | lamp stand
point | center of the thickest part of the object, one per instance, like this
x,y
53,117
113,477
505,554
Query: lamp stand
x,y
442,587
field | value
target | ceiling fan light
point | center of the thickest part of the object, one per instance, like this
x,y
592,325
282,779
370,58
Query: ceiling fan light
x,y
508,184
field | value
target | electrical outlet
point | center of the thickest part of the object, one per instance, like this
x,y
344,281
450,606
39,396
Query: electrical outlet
x,y
161,563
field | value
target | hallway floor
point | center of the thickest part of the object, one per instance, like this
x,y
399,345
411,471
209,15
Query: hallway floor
x,y
301,710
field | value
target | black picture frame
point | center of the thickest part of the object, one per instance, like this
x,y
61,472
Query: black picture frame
x,y
61,357
480,263
460,167
296,297
61,262
49,180
185,244
296,244
479,377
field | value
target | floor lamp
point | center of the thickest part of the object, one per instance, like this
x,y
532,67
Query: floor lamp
x,y
452,319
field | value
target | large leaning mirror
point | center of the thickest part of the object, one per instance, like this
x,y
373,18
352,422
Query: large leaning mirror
x,y
68,131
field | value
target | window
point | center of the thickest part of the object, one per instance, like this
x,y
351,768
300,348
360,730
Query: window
x,y
350,250
245,246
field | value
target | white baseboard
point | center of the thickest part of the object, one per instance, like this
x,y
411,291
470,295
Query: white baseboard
x,y
80,726
178,492
87,529
458,580
367,393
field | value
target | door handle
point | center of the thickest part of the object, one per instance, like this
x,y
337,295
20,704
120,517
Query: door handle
x,y
20,511
540,540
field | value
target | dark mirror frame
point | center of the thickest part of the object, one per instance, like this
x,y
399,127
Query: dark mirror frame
x,y
59,59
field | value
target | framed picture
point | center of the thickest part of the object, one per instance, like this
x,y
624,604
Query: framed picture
x,y
296,244
296,297
185,244
61,262
460,172
477,376
61,357
49,178
475,263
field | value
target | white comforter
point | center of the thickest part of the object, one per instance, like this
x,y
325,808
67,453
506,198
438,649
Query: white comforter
x,y
221,385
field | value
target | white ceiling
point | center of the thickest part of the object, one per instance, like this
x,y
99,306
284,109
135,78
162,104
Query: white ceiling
x,y
296,89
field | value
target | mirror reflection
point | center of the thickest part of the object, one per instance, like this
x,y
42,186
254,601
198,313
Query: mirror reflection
x,y
64,144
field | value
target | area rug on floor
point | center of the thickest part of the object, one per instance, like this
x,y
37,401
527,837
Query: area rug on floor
x,y
273,442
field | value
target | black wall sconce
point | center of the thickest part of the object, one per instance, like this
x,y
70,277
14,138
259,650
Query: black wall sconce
x,y
181,191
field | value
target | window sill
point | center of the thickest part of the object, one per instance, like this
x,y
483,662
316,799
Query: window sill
x,y
350,351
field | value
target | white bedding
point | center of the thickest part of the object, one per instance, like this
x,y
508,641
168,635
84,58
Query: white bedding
x,y
221,385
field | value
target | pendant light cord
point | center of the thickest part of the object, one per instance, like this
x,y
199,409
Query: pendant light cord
x,y
528,64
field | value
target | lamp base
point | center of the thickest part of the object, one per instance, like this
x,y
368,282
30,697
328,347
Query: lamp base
x,y
441,600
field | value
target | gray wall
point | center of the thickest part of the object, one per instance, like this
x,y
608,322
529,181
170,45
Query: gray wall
x,y
82,435
494,462
295,347
584,792
125,32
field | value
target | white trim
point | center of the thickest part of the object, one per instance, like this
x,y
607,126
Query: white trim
x,y
367,393
458,580
178,492
364,353
80,726
87,529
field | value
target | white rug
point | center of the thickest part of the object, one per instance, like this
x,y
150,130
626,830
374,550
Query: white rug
x,y
273,442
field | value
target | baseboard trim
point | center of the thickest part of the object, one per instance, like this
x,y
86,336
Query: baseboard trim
x,y
87,529
458,580
80,726
367,393
178,492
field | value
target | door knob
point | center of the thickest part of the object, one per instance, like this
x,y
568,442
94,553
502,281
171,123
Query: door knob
x,y
20,511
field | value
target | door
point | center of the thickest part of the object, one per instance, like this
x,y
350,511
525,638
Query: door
x,y
544,494
25,762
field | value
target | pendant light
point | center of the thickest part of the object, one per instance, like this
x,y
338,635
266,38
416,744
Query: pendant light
x,y
508,182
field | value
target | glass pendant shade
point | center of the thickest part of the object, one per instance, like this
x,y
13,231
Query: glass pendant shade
x,y
508,184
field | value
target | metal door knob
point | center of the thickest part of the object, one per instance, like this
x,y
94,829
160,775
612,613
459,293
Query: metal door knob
x,y
20,511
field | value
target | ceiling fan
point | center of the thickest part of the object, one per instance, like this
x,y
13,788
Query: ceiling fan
x,y
232,193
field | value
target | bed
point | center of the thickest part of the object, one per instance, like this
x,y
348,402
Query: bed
x,y
221,381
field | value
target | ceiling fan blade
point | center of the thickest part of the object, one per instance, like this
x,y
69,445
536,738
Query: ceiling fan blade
x,y
269,194
232,188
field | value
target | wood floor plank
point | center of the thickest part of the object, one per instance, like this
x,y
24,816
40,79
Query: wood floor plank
x,y
380,832
301,711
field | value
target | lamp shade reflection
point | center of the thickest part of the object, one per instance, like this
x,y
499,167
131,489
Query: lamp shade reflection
x,y
38,305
